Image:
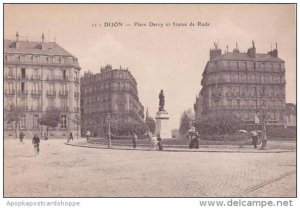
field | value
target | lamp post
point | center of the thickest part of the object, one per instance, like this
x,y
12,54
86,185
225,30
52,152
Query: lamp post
x,y
109,136
264,129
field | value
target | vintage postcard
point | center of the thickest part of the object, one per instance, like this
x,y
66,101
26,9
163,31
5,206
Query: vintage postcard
x,y
149,100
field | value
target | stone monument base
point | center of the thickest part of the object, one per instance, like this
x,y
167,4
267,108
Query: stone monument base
x,y
162,125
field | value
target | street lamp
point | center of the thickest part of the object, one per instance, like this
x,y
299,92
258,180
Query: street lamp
x,y
109,136
264,129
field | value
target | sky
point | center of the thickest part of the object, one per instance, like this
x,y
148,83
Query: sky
x,y
171,58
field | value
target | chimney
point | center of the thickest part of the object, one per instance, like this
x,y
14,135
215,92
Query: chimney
x,y
274,52
213,53
17,40
236,49
43,42
252,51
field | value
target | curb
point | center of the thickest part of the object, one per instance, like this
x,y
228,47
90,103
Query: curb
x,y
184,150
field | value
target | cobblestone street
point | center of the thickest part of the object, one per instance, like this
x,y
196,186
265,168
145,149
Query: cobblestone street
x,y
69,171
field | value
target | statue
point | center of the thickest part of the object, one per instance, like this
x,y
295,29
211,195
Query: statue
x,y
253,44
161,100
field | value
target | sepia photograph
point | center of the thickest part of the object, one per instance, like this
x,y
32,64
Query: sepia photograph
x,y
149,100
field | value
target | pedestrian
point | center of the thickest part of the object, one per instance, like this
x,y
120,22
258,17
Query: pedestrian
x,y
196,140
21,136
70,137
159,143
88,133
254,138
36,144
45,136
134,140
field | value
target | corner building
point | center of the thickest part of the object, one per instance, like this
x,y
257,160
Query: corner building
x,y
246,84
111,91
39,75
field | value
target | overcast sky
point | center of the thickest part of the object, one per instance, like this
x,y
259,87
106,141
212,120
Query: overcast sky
x,y
168,58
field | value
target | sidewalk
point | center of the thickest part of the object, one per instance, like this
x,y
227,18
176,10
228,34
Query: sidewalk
x,y
179,148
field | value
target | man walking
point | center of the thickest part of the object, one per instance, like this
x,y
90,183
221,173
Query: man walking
x,y
21,136
134,140
254,138
159,143
36,144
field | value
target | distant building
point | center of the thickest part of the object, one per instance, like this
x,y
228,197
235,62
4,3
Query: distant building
x,y
290,113
40,75
111,91
245,84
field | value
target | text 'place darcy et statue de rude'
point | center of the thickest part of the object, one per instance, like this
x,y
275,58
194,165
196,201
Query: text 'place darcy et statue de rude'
x,y
162,118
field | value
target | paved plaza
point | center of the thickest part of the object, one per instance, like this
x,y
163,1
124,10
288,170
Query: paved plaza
x,y
71,171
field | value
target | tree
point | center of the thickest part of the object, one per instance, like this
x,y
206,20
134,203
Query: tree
x,y
221,124
186,119
51,118
14,116
122,128
150,123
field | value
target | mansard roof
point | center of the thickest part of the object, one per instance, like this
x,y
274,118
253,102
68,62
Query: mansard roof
x,y
32,47
230,56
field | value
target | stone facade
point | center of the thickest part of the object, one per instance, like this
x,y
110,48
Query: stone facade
x,y
291,115
40,75
111,91
246,84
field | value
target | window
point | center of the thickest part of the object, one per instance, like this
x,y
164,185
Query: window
x,y
35,121
64,103
10,87
263,89
76,75
22,87
254,91
36,73
23,74
64,74
51,102
51,73
10,125
23,122
64,121
237,65
35,87
35,59
10,72
254,66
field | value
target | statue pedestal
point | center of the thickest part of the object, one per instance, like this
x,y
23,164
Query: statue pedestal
x,y
161,125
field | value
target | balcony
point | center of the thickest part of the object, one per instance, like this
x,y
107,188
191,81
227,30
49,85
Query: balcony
x,y
64,108
9,76
229,94
23,93
19,76
10,92
51,93
57,78
36,77
36,108
24,107
42,62
36,93
63,93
